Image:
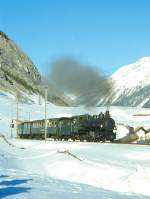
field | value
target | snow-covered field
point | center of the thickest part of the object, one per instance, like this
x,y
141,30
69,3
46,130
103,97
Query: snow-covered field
x,y
43,170
35,169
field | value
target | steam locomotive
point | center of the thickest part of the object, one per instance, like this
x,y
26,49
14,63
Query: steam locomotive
x,y
87,127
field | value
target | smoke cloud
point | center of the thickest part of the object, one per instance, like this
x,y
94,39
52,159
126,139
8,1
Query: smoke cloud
x,y
79,80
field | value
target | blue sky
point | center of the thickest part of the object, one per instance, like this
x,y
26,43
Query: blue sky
x,y
106,34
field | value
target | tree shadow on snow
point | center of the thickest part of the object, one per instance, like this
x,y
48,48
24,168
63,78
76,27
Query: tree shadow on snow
x,y
8,191
11,187
14,182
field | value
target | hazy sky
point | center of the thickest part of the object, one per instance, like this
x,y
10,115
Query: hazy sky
x,y
104,33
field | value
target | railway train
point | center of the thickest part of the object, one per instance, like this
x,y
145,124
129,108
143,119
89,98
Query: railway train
x,y
87,127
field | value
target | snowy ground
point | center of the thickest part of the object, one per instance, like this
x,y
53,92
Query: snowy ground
x,y
35,169
39,170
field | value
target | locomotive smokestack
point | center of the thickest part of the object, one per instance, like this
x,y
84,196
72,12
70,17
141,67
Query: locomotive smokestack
x,y
81,81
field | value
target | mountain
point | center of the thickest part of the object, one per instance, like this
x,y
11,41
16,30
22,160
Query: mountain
x,y
19,76
131,85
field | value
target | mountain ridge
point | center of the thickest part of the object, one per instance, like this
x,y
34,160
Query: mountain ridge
x,y
131,85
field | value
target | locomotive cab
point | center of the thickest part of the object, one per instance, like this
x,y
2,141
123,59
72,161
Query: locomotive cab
x,y
109,126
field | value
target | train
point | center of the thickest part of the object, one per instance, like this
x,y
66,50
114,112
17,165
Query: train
x,y
91,128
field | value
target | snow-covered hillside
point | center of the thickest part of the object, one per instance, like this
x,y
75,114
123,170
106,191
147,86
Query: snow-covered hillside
x,y
19,76
134,75
132,84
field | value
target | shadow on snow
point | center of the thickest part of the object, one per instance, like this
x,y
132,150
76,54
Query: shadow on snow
x,y
12,187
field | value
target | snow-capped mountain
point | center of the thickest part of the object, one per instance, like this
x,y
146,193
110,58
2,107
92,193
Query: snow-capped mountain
x,y
132,85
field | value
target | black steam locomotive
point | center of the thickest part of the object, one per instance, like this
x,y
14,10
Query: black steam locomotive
x,y
94,128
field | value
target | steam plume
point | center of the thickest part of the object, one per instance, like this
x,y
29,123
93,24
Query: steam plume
x,y
79,80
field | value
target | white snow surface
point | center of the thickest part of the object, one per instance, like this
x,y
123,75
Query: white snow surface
x,y
35,169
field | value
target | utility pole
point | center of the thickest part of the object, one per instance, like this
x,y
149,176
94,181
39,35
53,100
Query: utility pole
x,y
45,114
29,115
11,124
11,132
17,114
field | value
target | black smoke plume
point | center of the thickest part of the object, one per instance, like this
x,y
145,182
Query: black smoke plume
x,y
79,80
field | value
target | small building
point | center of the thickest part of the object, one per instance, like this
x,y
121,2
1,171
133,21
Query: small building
x,y
144,135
